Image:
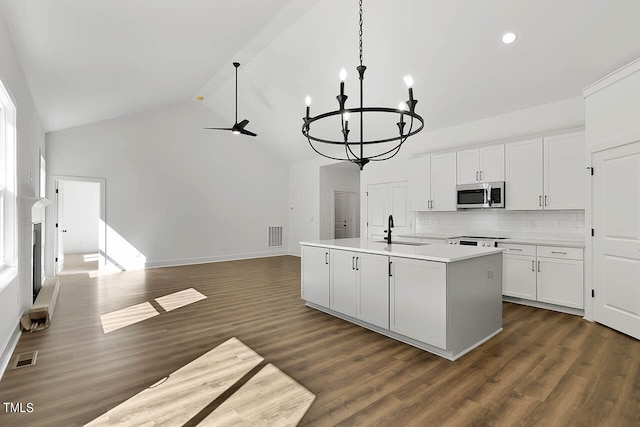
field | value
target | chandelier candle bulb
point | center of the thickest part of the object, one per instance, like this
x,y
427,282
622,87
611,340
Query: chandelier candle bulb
x,y
307,101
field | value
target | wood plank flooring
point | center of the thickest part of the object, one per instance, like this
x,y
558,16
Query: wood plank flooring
x,y
545,368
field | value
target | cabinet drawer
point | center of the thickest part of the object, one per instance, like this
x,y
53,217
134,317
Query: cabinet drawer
x,y
560,252
515,249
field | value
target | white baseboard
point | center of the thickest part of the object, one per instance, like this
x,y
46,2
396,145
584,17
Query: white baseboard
x,y
205,260
5,358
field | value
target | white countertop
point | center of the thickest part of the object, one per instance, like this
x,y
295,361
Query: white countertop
x,y
439,252
546,242
429,235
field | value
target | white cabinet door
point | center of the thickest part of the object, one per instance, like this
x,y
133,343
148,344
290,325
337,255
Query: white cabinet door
x,y
389,198
344,282
492,163
564,171
419,184
418,300
373,289
468,170
443,182
524,171
377,209
315,275
560,281
519,276
399,204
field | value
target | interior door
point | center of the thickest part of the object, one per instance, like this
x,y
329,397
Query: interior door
x,y
59,260
616,245
344,214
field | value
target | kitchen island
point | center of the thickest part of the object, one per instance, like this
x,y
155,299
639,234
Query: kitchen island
x,y
445,299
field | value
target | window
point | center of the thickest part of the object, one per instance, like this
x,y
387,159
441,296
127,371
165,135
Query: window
x,y
8,211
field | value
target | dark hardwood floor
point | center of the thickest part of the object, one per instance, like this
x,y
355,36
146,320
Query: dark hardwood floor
x,y
545,368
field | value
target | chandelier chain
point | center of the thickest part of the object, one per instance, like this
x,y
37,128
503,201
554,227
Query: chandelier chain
x,y
360,33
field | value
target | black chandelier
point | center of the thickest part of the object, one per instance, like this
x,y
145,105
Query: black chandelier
x,y
376,150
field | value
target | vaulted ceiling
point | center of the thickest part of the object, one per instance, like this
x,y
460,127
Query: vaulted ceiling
x,y
91,60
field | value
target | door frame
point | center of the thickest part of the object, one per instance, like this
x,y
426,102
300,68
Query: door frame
x,y
590,152
356,227
52,235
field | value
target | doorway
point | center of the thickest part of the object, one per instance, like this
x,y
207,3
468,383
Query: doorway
x,y
79,225
345,211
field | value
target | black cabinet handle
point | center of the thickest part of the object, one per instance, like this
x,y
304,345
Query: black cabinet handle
x,y
357,259
326,258
390,275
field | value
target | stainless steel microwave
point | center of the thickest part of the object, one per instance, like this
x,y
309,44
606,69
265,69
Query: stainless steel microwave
x,y
481,195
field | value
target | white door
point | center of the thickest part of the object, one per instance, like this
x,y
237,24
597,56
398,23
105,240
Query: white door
x,y
59,259
344,214
616,244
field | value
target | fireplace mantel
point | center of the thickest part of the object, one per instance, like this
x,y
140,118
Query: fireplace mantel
x,y
34,209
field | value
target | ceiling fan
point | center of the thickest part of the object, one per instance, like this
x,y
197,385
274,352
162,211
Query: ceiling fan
x,y
237,128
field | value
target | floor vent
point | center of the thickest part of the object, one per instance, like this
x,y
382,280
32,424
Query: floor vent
x,y
275,236
25,359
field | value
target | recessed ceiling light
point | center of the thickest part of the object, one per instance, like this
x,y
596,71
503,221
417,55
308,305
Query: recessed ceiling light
x,y
200,98
509,38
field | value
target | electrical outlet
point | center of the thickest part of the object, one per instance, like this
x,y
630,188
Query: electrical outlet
x,y
532,224
490,274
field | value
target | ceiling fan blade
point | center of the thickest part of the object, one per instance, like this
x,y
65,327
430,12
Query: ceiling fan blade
x,y
242,124
219,128
246,132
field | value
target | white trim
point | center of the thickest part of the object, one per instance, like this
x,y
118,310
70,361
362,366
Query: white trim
x,y
5,357
50,256
612,78
221,258
613,142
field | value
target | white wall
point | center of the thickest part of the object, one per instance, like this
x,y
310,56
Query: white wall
x,y
17,296
175,193
81,209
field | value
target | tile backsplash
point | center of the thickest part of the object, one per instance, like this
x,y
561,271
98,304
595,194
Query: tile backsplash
x,y
556,225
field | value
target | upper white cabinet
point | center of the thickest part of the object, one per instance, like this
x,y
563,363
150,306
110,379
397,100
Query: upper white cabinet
x,y
432,183
484,164
545,173
564,171
389,198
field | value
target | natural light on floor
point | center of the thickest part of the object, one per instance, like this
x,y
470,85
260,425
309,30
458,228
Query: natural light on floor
x,y
127,316
270,397
179,299
139,312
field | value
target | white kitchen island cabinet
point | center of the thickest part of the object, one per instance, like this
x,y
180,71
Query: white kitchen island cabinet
x,y
359,286
441,298
315,275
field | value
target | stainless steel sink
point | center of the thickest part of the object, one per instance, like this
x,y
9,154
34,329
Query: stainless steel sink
x,y
402,243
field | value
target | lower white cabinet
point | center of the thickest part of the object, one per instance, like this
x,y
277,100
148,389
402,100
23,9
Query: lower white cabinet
x,y
360,286
315,275
546,274
418,300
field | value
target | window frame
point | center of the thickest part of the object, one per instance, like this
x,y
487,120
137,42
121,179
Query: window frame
x,y
8,189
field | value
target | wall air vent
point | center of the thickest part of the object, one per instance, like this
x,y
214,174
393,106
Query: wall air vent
x,y
275,236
